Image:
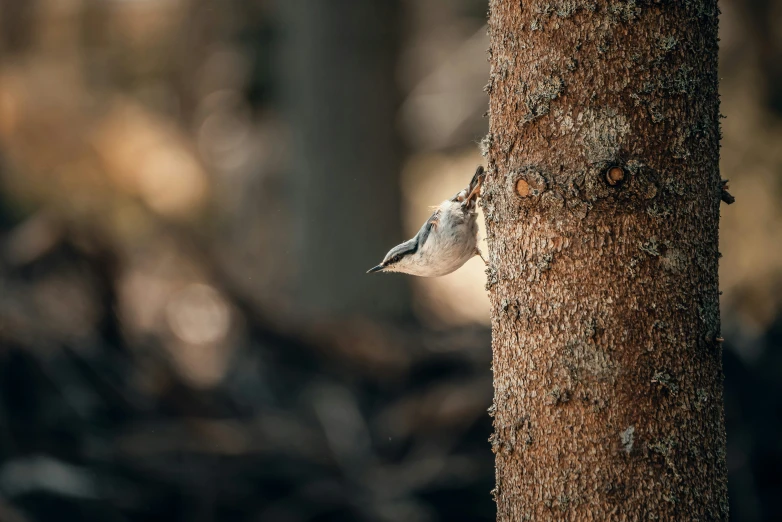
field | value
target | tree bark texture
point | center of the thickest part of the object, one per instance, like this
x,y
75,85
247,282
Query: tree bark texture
x,y
602,208
338,64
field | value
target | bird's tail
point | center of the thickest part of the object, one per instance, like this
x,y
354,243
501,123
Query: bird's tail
x,y
477,179
469,196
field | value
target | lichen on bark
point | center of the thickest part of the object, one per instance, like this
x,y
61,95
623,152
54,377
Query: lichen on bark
x,y
602,208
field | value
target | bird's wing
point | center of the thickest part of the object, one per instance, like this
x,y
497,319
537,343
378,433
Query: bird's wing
x,y
423,234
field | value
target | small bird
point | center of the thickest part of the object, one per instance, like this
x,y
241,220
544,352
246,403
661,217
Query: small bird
x,y
448,239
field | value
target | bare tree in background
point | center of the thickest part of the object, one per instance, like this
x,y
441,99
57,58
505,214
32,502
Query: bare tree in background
x,y
341,92
602,208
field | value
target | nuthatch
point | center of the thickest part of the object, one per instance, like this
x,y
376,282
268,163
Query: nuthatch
x,y
448,239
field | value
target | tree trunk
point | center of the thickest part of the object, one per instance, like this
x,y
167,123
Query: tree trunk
x,y
602,209
339,64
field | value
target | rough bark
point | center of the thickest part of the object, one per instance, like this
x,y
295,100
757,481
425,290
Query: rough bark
x,y
339,65
602,210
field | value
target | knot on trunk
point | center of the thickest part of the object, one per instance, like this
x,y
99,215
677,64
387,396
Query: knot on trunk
x,y
620,181
529,186
527,182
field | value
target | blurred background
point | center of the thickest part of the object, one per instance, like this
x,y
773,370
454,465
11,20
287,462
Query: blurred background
x,y
190,194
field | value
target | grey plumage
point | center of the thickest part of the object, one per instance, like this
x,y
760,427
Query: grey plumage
x,y
447,240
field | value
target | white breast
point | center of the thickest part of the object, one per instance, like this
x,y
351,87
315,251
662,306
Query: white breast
x,y
450,244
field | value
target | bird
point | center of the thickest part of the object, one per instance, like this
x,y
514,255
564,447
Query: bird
x,y
447,240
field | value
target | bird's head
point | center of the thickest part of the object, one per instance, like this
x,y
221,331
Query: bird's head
x,y
399,259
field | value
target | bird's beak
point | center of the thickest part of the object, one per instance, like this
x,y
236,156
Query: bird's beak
x,y
378,268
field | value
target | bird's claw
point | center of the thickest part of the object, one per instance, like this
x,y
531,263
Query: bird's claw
x,y
473,194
